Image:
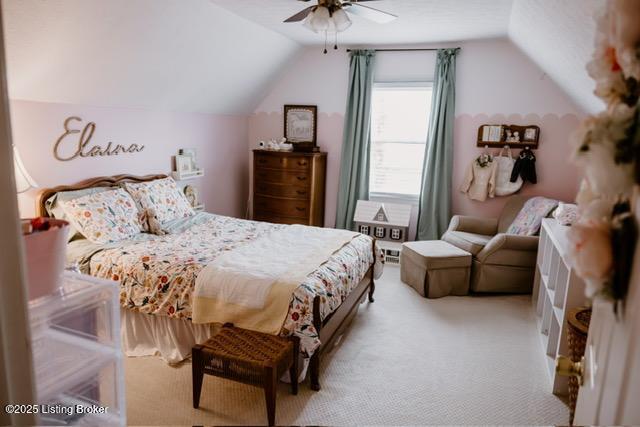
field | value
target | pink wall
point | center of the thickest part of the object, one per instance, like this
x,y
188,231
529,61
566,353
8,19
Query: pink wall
x,y
556,178
219,140
495,83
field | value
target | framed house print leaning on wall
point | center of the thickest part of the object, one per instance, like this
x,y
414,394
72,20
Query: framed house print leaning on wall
x,y
300,126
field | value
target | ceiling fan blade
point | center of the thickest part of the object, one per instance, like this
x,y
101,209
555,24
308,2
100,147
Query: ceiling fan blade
x,y
300,15
368,12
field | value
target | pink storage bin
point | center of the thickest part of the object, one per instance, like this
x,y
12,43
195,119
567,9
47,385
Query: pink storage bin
x,y
45,258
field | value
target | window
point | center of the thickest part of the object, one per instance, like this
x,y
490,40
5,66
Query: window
x,y
399,122
396,234
364,229
380,232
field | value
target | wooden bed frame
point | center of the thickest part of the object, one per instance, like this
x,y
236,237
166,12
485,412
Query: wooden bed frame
x,y
328,329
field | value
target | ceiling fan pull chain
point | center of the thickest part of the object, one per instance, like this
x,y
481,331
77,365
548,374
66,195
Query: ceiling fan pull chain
x,y
325,42
335,46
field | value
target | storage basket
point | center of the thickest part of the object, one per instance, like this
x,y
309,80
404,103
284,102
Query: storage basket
x,y
578,321
45,253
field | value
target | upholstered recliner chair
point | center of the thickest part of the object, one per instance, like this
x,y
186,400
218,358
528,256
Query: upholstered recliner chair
x,y
501,262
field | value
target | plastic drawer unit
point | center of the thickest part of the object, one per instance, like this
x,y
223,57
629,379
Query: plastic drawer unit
x,y
77,355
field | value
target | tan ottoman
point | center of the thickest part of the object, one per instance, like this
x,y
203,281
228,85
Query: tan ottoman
x,y
435,268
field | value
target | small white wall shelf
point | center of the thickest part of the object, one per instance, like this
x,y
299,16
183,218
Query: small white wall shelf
x,y
183,176
557,289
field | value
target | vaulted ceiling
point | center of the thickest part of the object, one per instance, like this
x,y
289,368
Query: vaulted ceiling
x,y
419,21
185,55
221,56
559,35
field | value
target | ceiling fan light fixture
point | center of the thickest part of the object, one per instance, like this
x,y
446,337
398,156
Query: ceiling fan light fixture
x,y
318,20
341,20
323,20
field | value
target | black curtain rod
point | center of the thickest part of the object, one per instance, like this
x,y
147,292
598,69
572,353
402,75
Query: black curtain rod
x,y
406,50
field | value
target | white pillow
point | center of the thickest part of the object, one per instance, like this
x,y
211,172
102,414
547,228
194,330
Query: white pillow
x,y
566,213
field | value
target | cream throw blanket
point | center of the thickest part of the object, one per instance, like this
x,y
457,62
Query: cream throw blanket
x,y
251,285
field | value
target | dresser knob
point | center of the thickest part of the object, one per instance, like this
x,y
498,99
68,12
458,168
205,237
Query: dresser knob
x,y
299,209
302,178
262,161
302,163
301,192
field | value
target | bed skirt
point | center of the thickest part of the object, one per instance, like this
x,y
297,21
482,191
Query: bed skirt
x,y
171,339
149,335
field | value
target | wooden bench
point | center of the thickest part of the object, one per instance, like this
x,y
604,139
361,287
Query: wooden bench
x,y
248,357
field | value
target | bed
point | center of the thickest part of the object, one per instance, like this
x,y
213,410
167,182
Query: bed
x,y
158,273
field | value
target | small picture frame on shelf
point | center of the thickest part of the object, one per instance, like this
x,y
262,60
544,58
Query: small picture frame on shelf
x,y
530,134
190,152
492,133
183,164
300,126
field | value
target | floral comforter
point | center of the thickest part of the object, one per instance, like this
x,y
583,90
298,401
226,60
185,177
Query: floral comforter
x,y
157,273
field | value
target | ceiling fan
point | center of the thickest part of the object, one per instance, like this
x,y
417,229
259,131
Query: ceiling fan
x,y
330,16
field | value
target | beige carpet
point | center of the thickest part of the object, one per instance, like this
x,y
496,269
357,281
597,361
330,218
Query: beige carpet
x,y
404,361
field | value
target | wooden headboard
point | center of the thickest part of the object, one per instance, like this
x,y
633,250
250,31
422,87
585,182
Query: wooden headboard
x,y
102,181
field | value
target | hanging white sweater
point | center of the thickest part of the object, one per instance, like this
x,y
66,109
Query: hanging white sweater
x,y
480,182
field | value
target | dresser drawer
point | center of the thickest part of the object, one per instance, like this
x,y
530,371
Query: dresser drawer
x,y
279,219
284,207
280,190
300,178
278,162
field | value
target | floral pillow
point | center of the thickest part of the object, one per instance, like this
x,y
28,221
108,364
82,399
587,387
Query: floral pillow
x,y
105,217
162,197
529,219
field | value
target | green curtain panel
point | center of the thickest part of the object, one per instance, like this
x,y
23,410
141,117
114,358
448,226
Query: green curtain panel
x,y
354,167
435,196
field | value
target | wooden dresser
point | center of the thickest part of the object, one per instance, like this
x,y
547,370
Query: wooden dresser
x,y
288,187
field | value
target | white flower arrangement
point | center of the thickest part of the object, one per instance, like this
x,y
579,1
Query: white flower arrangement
x,y
606,147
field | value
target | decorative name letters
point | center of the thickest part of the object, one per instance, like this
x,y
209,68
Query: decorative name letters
x,y
68,148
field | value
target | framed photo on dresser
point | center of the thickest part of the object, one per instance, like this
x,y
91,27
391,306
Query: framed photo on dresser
x,y
300,126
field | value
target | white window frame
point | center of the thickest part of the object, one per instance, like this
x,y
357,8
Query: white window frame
x,y
407,198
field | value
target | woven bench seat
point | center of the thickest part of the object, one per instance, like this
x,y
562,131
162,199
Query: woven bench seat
x,y
248,357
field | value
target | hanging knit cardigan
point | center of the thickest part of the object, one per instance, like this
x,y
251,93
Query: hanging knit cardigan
x,y
480,181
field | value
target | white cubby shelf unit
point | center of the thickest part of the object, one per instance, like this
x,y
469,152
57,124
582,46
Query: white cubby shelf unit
x,y
557,289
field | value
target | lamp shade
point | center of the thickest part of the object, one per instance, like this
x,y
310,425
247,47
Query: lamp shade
x,y
321,20
24,182
341,20
318,20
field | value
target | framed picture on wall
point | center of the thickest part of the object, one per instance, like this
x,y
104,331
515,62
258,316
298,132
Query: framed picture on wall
x,y
300,126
